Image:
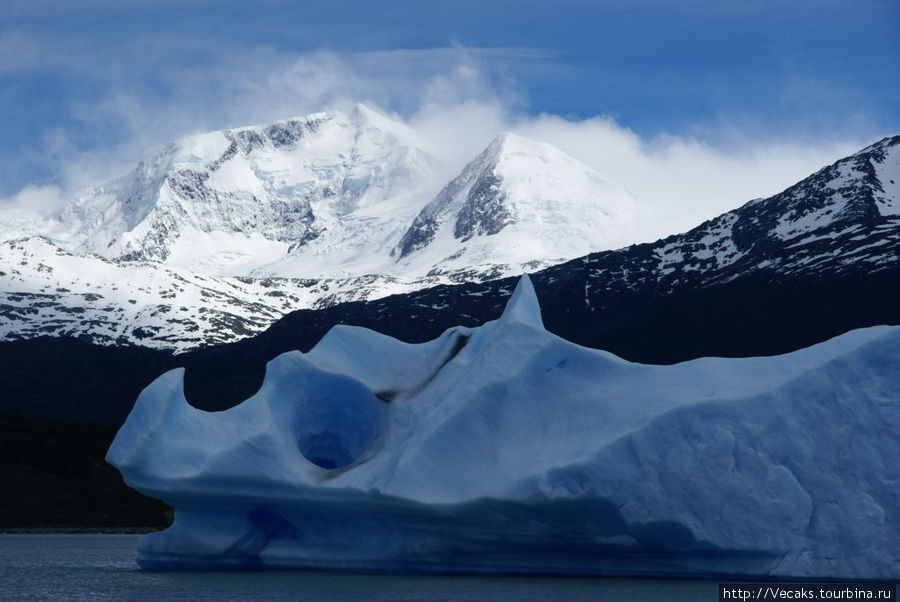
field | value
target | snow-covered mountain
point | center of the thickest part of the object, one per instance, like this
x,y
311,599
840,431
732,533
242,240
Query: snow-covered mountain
x,y
319,210
337,207
334,195
519,200
47,291
846,215
227,202
519,205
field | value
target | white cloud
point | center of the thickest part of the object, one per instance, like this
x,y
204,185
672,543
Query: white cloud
x,y
680,181
259,86
40,200
23,213
684,181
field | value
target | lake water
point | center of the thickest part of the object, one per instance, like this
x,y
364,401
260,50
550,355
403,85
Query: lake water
x,y
102,567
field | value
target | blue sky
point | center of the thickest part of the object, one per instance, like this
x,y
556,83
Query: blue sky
x,y
88,88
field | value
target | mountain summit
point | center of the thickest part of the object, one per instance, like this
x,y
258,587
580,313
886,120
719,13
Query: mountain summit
x,y
228,201
520,199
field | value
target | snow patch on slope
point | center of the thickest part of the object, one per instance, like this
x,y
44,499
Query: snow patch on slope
x,y
888,172
47,291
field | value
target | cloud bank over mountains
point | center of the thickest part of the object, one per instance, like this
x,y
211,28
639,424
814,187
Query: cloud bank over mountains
x,y
456,110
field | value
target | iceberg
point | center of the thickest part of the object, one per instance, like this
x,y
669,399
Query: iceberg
x,y
506,449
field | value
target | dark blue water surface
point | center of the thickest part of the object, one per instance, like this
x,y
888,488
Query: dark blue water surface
x,y
102,567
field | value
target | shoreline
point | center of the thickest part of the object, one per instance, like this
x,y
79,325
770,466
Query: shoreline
x,y
76,530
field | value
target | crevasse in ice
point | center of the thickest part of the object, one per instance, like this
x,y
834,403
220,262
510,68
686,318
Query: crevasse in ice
x,y
504,448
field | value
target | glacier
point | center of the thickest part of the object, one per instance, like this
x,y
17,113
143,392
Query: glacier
x,y
506,449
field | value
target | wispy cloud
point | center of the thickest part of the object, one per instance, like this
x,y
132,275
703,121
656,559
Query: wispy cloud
x,y
680,181
113,127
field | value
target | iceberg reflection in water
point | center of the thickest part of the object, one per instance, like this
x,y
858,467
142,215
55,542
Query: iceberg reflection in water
x,y
101,567
505,449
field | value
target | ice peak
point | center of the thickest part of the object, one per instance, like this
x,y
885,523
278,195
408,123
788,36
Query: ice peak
x,y
363,117
518,157
523,305
511,138
507,143
364,112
